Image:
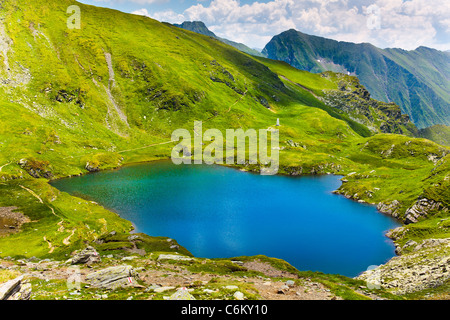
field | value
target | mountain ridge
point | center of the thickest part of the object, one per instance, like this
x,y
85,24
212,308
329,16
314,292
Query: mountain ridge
x,y
409,78
200,27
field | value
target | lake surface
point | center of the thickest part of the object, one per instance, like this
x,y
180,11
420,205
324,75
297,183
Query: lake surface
x,y
216,211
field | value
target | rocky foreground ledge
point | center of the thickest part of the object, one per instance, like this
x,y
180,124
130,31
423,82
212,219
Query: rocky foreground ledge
x,y
419,266
90,275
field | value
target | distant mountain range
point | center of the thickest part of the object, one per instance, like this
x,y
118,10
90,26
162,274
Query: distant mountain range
x,y
418,80
200,27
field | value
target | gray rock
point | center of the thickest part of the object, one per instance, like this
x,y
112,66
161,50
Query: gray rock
x,y
87,256
91,167
16,289
113,277
408,245
182,294
173,257
290,283
152,287
391,208
239,295
422,208
429,243
293,144
426,266
163,289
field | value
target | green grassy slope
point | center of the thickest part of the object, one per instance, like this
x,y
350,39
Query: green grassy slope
x,y
113,91
438,133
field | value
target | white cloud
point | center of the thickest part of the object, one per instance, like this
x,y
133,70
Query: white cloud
x,y
141,12
405,24
168,16
141,2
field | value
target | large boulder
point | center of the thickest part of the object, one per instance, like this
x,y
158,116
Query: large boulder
x,y
182,294
16,289
173,257
391,208
422,208
86,256
113,277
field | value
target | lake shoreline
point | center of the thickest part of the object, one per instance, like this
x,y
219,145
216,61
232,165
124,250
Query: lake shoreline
x,y
235,167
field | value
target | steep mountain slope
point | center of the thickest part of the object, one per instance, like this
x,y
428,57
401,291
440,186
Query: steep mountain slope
x,y
197,27
437,133
200,27
113,91
348,98
418,81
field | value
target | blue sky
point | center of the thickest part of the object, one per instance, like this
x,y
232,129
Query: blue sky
x,y
403,24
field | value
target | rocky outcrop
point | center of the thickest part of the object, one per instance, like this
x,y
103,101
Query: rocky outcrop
x,y
325,168
390,208
409,245
294,171
413,246
222,75
173,257
113,277
431,243
427,265
87,256
354,100
36,168
422,208
92,166
294,144
16,289
11,220
182,294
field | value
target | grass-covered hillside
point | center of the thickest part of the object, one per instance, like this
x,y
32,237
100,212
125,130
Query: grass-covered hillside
x,y
438,133
113,91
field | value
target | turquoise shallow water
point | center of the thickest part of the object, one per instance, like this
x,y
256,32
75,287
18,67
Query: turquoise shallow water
x,y
217,211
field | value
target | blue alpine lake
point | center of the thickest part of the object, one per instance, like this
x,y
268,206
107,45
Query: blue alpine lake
x,y
218,212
